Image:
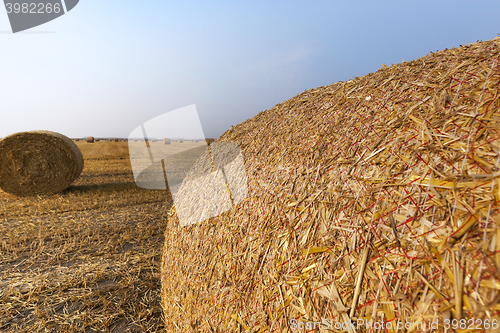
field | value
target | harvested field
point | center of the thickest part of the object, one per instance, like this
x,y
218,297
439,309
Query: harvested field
x,y
375,199
179,158
86,259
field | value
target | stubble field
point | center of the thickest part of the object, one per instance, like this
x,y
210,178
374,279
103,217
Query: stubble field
x,y
86,259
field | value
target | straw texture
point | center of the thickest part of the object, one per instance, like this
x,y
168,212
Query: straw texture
x,y
38,162
373,199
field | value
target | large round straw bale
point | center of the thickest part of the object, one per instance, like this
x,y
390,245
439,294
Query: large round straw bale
x,y
377,198
38,162
90,139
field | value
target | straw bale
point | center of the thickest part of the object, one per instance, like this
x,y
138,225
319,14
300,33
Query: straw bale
x,y
38,162
115,140
167,141
373,199
218,191
181,141
90,139
96,139
209,140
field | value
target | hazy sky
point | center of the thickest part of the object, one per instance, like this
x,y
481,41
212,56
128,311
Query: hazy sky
x,y
108,66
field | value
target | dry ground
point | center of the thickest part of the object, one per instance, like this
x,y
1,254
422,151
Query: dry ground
x,y
87,259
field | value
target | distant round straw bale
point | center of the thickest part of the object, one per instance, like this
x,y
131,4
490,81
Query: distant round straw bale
x,y
77,139
167,141
116,139
96,139
181,141
38,162
90,139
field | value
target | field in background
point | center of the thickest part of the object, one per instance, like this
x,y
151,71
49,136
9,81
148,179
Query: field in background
x,y
87,259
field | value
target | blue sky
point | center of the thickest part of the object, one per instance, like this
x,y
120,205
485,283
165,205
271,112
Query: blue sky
x,y
108,66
